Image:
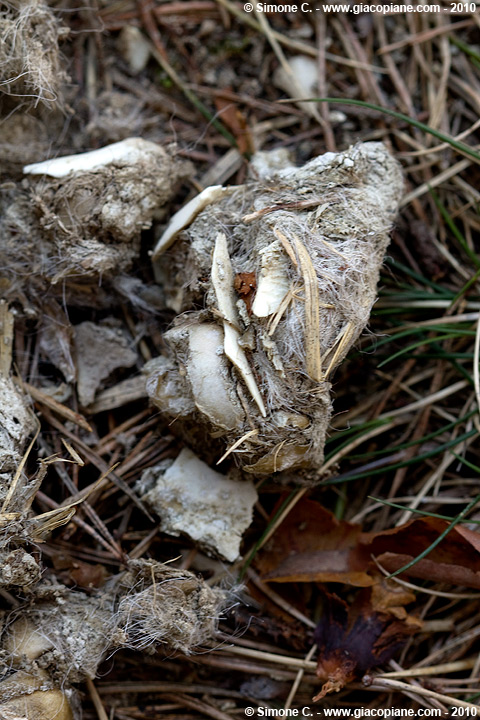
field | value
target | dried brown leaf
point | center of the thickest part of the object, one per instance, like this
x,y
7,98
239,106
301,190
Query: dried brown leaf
x,y
311,545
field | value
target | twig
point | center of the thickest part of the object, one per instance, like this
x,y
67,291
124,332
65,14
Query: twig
x,y
389,685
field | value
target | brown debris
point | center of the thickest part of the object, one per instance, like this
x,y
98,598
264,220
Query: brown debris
x,y
353,639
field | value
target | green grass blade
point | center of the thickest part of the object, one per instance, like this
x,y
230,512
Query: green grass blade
x,y
416,511
428,550
456,144
453,228
413,346
396,265
402,463
412,443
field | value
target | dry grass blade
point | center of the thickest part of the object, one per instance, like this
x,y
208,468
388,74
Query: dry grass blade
x,y
44,524
13,485
443,669
282,309
312,304
298,679
6,338
240,441
265,657
44,399
341,343
312,315
392,685
97,701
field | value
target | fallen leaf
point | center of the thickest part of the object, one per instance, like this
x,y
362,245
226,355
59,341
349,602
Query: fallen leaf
x,y
85,575
231,116
77,572
245,284
311,545
455,560
354,639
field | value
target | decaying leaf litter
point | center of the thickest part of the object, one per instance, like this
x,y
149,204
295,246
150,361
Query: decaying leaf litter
x,y
404,427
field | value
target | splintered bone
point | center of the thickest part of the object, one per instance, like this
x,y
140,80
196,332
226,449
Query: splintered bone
x,y
222,281
185,216
125,152
285,268
191,498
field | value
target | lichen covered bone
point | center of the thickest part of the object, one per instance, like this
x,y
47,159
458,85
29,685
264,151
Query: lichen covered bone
x,y
310,242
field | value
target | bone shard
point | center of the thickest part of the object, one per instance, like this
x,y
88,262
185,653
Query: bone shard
x,y
212,509
125,152
222,281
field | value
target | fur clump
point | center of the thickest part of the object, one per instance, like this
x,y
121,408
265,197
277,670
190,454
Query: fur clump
x,y
64,633
68,234
162,605
30,63
286,269
61,636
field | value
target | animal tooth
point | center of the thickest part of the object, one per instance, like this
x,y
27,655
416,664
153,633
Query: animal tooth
x,y
273,283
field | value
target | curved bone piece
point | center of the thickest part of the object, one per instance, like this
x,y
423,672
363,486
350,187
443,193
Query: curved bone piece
x,y
125,152
185,216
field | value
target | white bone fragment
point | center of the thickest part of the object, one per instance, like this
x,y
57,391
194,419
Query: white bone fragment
x,y
222,281
192,498
299,78
135,48
206,371
185,216
284,419
125,152
273,283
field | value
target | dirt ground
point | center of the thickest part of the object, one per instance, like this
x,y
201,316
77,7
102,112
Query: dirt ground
x,y
180,539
